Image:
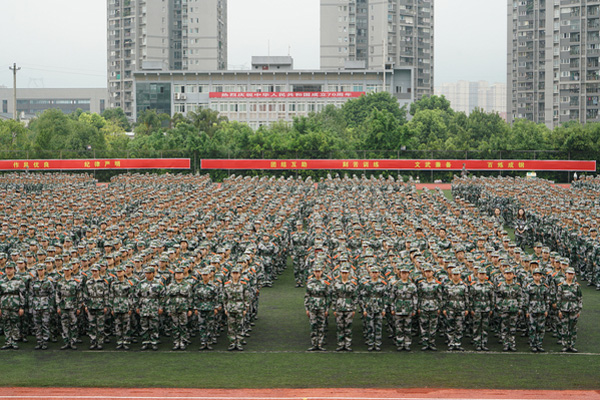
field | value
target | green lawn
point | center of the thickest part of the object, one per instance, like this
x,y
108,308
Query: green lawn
x,y
275,357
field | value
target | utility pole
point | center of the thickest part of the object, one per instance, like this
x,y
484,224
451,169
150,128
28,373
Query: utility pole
x,y
14,69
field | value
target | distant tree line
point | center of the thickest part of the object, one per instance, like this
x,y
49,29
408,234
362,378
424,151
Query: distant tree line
x,y
372,126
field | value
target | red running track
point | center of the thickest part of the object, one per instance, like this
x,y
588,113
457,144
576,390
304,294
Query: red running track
x,y
290,394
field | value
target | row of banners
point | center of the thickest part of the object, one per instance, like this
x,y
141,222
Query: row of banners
x,y
400,165
408,165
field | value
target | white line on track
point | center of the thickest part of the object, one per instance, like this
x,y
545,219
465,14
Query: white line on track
x,y
242,398
191,351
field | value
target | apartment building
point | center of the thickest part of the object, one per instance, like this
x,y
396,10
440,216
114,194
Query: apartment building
x,y
180,35
378,34
552,63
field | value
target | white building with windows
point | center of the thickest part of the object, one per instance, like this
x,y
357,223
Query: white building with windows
x,y
265,94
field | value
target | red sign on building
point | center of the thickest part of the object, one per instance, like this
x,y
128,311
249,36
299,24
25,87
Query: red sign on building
x,y
284,95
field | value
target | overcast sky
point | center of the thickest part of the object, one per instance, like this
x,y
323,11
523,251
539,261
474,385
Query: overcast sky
x,y
62,43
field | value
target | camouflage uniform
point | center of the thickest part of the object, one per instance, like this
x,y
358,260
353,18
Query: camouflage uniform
x,y
12,300
430,303
569,303
41,297
149,298
316,302
509,302
343,303
403,303
95,298
455,305
299,251
68,300
178,304
372,300
481,300
236,302
206,301
120,297
537,303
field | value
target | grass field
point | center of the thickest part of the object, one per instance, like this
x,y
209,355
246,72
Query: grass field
x,y
275,357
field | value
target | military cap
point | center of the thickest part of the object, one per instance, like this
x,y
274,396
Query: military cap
x,y
509,271
564,260
375,269
405,268
69,267
427,267
120,268
236,269
178,270
9,265
537,271
570,270
205,271
95,267
537,244
149,270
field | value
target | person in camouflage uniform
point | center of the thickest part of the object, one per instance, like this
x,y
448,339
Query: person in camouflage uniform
x,y
178,305
455,296
68,306
569,303
207,306
403,306
537,304
343,305
509,304
430,304
149,295
236,304
12,305
299,239
120,297
41,297
95,299
481,302
372,300
316,304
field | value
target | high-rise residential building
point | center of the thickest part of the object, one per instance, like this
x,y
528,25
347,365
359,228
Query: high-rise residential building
x,y
552,67
188,35
466,96
374,33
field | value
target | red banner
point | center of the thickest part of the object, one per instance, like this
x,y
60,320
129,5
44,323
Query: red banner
x,y
435,165
284,95
95,164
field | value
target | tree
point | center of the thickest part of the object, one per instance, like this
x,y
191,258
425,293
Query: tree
x,y
427,130
118,116
207,120
13,135
356,111
383,132
431,103
148,122
51,130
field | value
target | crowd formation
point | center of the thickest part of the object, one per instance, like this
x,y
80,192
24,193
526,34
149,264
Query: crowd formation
x,y
148,257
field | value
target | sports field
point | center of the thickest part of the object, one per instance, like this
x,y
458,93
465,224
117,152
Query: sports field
x,y
275,357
